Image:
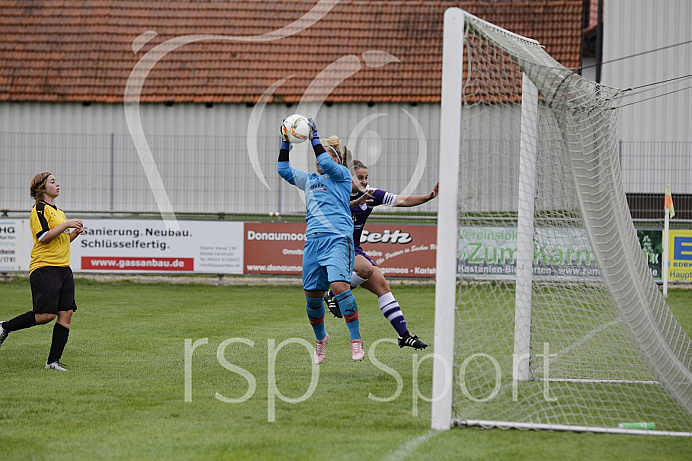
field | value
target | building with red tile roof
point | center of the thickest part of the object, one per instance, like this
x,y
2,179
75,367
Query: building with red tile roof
x,y
231,51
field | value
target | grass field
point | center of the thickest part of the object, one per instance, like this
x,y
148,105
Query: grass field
x,y
194,371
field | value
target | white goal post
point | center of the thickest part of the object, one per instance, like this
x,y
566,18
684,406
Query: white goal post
x,y
546,315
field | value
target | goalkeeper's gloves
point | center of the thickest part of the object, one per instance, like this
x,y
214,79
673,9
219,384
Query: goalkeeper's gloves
x,y
284,135
284,138
313,130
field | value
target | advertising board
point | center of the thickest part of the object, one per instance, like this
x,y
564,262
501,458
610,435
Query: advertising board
x,y
680,255
231,247
398,250
15,247
149,246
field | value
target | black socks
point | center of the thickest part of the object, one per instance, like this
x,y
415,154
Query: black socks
x,y
20,322
60,335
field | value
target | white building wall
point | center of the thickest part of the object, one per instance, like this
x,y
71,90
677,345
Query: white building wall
x,y
655,121
210,159
632,28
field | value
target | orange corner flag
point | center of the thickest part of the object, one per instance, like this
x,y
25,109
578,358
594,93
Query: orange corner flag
x,y
669,202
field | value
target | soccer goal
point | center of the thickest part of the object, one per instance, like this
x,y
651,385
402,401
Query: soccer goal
x,y
546,315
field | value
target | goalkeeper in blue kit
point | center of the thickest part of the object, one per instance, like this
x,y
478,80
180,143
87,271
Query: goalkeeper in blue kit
x,y
328,256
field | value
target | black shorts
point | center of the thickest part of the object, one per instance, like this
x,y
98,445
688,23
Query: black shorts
x,y
52,290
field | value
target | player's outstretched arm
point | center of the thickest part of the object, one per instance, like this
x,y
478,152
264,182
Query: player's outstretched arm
x,y
329,166
317,146
283,167
365,198
414,200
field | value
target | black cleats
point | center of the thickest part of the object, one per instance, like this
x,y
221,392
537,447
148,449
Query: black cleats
x,y
333,305
411,341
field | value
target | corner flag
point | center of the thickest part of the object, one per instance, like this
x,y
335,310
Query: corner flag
x,y
669,202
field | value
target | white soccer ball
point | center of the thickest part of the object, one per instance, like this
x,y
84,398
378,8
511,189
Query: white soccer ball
x,y
296,128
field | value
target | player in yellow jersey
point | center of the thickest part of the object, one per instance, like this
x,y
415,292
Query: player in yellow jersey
x,y
50,276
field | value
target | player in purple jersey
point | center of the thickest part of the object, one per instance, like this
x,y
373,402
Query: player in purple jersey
x,y
365,272
328,255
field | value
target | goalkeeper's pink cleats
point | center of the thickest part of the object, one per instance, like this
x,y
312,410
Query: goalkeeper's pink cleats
x,y
320,350
357,351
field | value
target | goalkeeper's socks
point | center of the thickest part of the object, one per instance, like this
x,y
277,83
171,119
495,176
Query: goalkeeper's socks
x,y
392,311
348,306
20,322
315,309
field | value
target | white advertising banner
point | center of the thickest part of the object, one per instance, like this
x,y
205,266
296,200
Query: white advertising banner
x,y
109,245
15,245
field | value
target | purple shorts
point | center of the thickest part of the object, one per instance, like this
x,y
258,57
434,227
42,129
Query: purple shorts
x,y
359,251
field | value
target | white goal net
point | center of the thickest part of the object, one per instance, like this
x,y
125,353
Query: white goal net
x,y
546,314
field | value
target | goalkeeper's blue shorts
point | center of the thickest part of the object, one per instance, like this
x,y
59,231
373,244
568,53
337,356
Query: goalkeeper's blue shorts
x,y
327,258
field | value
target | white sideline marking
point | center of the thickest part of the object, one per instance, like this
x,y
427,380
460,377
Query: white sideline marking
x,y
403,452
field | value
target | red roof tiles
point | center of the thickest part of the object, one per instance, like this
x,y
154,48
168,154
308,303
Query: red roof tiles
x,y
69,50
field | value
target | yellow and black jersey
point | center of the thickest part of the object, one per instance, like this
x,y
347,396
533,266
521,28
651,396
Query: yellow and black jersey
x,y
55,253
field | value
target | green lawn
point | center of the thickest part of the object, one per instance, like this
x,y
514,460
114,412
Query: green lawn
x,y
192,371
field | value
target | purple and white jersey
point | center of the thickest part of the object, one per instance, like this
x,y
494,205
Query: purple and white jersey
x,y
360,213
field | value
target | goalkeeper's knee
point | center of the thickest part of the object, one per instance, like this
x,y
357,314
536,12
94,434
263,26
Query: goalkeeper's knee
x,y
347,302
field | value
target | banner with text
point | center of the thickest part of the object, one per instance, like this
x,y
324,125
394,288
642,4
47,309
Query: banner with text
x,y
274,248
398,250
229,247
15,245
149,246
680,255
490,252
651,242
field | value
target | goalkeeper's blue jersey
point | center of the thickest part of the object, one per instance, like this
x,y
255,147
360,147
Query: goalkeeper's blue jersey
x,y
326,196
